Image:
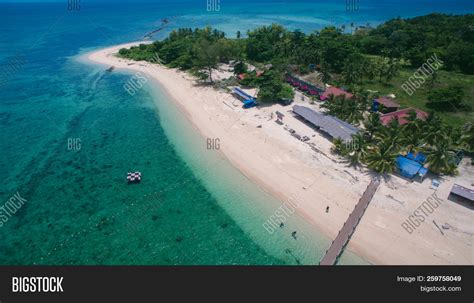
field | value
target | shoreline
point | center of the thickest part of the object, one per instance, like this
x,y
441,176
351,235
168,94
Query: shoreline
x,y
283,167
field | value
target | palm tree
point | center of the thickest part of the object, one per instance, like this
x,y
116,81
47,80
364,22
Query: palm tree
x,y
324,69
440,157
411,137
433,130
382,158
414,124
391,134
339,147
370,70
412,142
380,67
335,106
357,149
329,105
344,109
372,126
393,69
351,73
350,110
362,98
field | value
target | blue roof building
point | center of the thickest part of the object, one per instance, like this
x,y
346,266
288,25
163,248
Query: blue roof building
x,y
410,168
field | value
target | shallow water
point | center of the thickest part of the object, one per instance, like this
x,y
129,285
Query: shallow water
x,y
70,133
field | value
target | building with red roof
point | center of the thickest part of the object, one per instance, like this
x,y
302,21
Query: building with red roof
x,y
388,103
402,115
243,76
334,91
302,85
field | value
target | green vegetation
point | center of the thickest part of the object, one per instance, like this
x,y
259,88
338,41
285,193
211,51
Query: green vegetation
x,y
420,98
416,39
378,146
448,99
199,51
351,110
378,60
271,87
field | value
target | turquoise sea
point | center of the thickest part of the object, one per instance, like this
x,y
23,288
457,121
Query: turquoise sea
x,y
70,132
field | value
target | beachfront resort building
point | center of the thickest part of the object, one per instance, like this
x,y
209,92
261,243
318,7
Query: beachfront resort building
x,y
328,125
461,194
304,86
411,166
334,91
402,116
385,105
313,90
242,76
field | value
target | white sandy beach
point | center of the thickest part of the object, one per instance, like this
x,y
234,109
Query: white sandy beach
x,y
286,167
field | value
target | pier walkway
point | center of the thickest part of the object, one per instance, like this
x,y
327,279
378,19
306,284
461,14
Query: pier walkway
x,y
349,226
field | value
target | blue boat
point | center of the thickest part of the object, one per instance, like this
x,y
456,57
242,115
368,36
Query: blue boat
x,y
248,100
249,103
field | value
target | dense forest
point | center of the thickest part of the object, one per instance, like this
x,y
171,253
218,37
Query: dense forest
x,y
372,58
414,40
452,37
369,59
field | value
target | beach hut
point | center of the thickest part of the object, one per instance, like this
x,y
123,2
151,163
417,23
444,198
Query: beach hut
x,y
313,90
460,193
418,157
402,116
329,125
335,91
388,104
242,76
409,168
303,85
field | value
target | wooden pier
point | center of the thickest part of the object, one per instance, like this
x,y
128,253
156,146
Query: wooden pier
x,y
349,226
